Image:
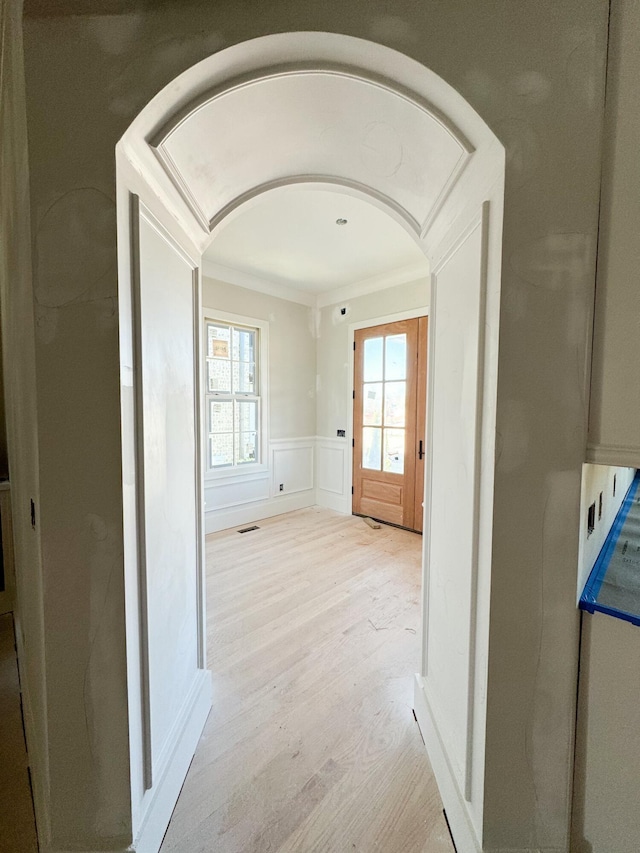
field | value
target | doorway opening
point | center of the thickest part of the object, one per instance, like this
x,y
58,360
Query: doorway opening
x,y
389,418
279,112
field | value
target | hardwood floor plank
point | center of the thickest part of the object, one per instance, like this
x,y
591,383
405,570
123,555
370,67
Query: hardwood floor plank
x,y
311,744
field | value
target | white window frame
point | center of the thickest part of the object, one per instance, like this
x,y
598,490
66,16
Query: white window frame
x,y
247,469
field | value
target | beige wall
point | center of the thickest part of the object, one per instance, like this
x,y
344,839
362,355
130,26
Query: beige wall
x,y
614,423
16,308
334,380
292,353
535,73
607,783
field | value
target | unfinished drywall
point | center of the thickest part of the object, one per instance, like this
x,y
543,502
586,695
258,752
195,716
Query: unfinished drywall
x,y
535,73
607,784
599,480
334,383
16,310
614,417
292,356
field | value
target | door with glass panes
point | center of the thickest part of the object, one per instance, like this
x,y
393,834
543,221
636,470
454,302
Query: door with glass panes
x,y
389,422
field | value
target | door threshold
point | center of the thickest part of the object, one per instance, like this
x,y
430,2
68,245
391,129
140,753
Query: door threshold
x,y
388,523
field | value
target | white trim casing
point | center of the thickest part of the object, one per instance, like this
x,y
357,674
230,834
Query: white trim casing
x,y
211,314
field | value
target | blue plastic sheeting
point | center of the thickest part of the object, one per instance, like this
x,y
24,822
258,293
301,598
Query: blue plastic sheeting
x,y
614,583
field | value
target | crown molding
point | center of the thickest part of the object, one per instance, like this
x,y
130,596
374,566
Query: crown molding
x,y
381,281
254,282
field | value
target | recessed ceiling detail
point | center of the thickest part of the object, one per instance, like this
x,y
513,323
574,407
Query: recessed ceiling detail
x,y
327,124
289,236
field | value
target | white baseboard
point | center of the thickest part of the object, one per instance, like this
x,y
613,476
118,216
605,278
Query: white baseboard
x,y
222,519
462,829
158,814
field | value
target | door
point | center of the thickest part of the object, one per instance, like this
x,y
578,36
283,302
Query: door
x,y
389,422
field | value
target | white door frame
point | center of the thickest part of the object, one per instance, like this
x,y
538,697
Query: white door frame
x,y
409,314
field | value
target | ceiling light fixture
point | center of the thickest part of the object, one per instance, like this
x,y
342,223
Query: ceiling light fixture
x,y
341,221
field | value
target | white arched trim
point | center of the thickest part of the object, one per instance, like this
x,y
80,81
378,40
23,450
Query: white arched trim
x,y
332,111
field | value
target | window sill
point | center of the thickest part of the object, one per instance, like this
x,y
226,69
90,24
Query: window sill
x,y
254,472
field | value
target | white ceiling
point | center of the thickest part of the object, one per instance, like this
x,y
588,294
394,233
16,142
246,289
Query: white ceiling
x,y
289,236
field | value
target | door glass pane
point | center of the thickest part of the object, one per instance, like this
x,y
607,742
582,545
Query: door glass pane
x,y
221,449
372,404
371,448
246,431
395,365
218,339
221,416
394,403
372,371
394,451
244,345
219,375
244,377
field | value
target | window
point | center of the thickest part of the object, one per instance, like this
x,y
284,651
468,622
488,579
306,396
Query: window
x,y
233,399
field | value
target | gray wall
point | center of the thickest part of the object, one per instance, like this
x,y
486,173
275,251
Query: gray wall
x,y
16,305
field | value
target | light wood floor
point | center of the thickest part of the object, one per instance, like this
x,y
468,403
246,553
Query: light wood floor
x,y
17,822
311,746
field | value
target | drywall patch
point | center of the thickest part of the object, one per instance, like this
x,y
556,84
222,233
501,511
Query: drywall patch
x,y
83,221
137,82
584,73
524,150
555,261
339,314
116,35
533,86
391,29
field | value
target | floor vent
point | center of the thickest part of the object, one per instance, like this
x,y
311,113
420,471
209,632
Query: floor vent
x,y
247,529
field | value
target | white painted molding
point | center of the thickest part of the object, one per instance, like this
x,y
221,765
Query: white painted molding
x,y
334,492
282,290
252,496
249,514
382,281
453,801
167,788
303,477
230,275
617,455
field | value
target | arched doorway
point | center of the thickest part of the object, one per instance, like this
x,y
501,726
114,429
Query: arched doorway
x,y
289,109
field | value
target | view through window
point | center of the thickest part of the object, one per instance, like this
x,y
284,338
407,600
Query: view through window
x,y
233,395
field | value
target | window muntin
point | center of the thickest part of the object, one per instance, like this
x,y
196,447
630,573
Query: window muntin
x,y
233,405
384,392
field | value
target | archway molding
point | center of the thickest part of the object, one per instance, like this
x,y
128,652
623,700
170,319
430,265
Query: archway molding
x,y
326,110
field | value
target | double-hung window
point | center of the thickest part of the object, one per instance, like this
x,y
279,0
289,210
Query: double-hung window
x,y
233,401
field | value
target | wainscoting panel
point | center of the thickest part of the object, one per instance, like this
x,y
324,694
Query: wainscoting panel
x,y
332,474
292,465
236,499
